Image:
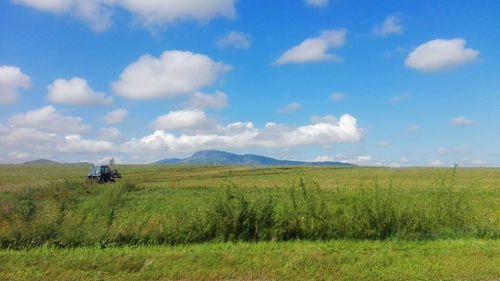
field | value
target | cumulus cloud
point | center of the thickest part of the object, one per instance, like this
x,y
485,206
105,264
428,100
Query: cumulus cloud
x,y
173,73
110,134
291,107
151,13
11,80
391,25
184,120
203,101
235,39
461,121
440,54
315,49
336,97
76,91
46,131
96,13
48,119
75,144
317,3
244,135
116,116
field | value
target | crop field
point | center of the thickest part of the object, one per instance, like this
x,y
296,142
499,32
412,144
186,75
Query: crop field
x,y
217,222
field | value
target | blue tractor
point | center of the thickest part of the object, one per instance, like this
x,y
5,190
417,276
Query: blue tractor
x,y
103,174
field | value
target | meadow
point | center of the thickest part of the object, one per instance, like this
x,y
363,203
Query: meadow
x,y
216,222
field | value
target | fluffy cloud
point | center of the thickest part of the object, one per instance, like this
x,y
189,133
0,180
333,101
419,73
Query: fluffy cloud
x,y
245,135
110,134
75,91
116,116
315,49
50,120
461,121
75,144
173,73
11,80
204,101
336,97
97,13
150,13
236,40
440,54
291,107
317,3
162,12
184,120
46,132
391,25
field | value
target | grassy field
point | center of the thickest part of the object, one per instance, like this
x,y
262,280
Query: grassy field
x,y
214,222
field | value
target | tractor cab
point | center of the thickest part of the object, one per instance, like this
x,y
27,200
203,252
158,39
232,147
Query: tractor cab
x,y
102,173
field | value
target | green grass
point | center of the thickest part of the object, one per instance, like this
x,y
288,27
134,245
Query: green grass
x,y
352,223
335,260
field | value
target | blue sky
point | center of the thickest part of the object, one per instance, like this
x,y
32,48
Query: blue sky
x,y
397,83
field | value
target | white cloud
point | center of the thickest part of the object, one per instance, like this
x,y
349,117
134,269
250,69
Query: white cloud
x,y
245,135
150,13
75,144
116,116
110,134
50,120
11,80
173,73
391,25
315,49
164,12
97,13
184,120
75,91
317,3
203,101
291,107
440,54
336,97
236,40
461,121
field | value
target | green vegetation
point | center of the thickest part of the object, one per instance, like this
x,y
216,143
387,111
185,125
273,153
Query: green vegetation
x,y
173,221
333,260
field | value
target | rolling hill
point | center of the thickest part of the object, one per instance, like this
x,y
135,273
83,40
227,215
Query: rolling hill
x,y
217,157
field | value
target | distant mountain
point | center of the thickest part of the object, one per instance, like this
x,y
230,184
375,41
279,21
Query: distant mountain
x,y
217,157
41,162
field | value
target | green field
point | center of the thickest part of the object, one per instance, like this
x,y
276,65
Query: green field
x,y
215,222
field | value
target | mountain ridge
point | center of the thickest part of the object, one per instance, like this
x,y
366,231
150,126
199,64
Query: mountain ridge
x,y
218,157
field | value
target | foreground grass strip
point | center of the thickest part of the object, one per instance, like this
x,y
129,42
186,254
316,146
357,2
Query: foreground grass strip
x,y
336,260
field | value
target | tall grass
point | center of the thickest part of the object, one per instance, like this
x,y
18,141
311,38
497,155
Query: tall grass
x,y
71,214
